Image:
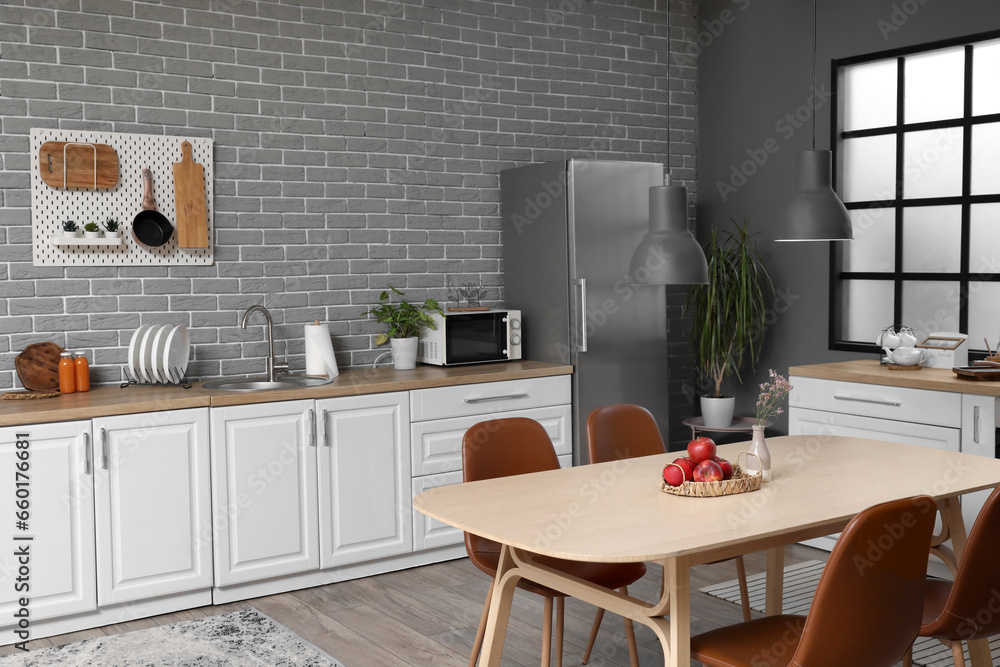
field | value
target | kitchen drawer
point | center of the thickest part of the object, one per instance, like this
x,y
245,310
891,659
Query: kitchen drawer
x,y
920,406
437,445
821,423
488,397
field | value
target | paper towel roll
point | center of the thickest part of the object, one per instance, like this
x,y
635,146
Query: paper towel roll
x,y
319,351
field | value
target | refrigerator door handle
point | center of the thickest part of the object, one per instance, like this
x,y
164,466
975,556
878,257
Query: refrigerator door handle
x,y
582,325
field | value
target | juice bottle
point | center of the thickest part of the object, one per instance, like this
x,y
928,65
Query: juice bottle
x,y
82,372
67,373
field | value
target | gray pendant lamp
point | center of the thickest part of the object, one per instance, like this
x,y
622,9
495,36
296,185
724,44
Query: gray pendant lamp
x,y
668,254
815,212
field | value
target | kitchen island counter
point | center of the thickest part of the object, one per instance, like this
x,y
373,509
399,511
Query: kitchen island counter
x,y
870,371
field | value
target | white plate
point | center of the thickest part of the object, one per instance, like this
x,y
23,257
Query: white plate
x,y
132,363
177,353
157,356
146,354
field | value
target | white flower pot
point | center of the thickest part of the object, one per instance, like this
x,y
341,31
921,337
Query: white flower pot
x,y
72,235
113,235
718,412
92,235
404,353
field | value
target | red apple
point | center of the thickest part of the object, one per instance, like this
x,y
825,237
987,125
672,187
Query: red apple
x,y
691,462
727,467
701,449
687,466
708,471
674,474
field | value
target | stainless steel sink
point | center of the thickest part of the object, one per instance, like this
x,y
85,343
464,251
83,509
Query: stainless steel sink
x,y
263,384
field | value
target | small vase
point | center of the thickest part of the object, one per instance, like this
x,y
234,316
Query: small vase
x,y
758,446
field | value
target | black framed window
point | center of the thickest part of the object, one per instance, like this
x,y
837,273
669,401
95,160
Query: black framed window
x,y
916,141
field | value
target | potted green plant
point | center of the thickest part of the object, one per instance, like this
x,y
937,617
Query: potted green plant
x,y
404,320
70,229
111,228
91,230
729,316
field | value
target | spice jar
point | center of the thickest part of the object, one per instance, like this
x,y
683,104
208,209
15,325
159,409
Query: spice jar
x,y
82,372
67,373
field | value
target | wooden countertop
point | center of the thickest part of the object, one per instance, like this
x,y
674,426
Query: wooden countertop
x,y
112,400
870,371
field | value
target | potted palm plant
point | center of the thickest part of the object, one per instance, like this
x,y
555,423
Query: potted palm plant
x,y
729,316
405,320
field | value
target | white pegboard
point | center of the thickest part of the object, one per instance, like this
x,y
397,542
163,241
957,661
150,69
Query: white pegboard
x,y
51,206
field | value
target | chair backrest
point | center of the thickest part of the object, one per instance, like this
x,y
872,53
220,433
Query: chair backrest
x,y
869,602
973,607
622,431
500,448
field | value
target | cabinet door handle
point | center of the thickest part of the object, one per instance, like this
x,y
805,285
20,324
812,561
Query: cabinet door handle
x,y
483,399
104,449
326,431
86,453
867,400
582,332
975,424
312,428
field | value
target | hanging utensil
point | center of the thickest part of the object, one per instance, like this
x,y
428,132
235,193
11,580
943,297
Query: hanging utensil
x,y
149,227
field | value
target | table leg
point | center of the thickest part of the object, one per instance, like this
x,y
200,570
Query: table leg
x,y
954,525
677,584
496,624
775,580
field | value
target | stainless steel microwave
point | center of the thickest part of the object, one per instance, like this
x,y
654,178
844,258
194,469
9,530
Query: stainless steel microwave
x,y
471,337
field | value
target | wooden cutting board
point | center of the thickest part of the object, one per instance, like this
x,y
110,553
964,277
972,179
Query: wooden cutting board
x,y
189,197
38,366
75,165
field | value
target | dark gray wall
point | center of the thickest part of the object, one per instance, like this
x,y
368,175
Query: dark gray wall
x,y
754,63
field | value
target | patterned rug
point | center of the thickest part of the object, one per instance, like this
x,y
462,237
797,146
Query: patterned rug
x,y
800,586
245,638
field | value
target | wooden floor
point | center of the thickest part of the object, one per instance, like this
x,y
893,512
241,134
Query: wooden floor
x,y
428,616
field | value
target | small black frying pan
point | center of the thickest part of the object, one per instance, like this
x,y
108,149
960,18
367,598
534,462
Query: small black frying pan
x,y
150,228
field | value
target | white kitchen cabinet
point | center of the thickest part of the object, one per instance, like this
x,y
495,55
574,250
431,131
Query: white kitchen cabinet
x,y
153,502
925,417
61,561
264,486
364,478
442,415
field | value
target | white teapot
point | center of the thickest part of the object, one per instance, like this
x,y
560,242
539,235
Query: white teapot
x,y
907,356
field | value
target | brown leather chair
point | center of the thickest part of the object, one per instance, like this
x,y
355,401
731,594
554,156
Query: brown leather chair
x,y
503,447
626,431
867,608
969,607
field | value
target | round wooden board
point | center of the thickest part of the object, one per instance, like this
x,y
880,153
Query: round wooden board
x,y
897,367
38,366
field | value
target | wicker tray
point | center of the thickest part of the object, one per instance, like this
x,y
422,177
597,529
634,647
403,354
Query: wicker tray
x,y
740,482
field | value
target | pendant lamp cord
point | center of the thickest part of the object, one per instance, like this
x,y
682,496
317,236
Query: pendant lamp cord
x,y
667,174
815,46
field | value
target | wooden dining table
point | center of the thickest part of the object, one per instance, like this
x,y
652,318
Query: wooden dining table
x,y
616,512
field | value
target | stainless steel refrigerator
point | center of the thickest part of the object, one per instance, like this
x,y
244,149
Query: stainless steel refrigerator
x,y
569,231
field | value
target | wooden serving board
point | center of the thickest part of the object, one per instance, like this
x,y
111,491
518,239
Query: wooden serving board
x,y
85,165
38,366
189,197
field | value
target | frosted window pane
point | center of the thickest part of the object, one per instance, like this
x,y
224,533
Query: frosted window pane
x,y
984,240
984,316
985,178
873,247
985,74
930,306
932,238
869,168
867,308
932,163
934,85
870,94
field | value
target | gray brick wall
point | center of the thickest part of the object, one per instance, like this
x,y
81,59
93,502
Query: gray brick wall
x,y
357,144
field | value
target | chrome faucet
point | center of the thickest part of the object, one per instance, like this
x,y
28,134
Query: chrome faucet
x,y
272,368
